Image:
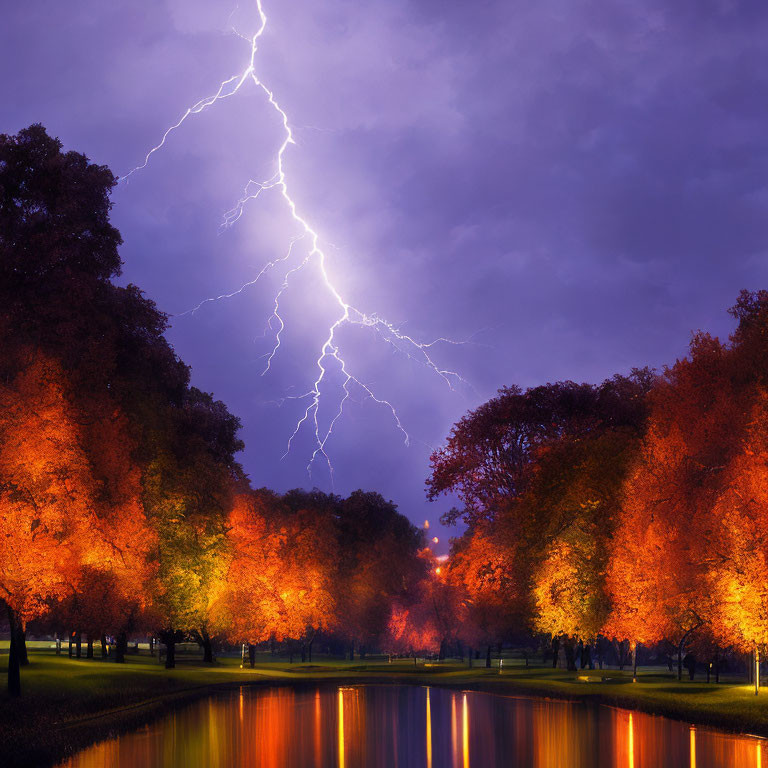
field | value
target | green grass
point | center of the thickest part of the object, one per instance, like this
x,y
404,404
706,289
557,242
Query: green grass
x,y
68,703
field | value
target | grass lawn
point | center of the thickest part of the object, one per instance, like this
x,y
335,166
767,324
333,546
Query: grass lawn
x,y
68,703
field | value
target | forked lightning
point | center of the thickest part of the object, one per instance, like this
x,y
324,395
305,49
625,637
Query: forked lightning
x,y
329,353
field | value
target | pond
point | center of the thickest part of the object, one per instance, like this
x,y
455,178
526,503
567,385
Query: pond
x,y
380,726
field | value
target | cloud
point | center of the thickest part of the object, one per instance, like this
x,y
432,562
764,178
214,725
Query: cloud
x,y
588,180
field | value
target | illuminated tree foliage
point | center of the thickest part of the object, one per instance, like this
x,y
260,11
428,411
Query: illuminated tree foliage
x,y
46,498
491,603
426,619
540,473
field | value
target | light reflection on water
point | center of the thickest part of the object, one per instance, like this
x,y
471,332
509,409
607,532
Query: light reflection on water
x,y
381,726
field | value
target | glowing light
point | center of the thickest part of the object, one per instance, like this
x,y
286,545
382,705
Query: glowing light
x,y
465,732
437,570
329,355
318,730
454,731
341,728
429,733
435,539
693,747
426,525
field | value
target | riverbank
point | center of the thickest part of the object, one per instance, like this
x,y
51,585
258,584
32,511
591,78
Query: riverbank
x,y
68,704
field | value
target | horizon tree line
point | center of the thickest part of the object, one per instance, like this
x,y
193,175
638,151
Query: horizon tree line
x,y
599,518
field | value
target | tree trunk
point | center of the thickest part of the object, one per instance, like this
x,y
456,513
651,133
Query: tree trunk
x,y
251,655
622,653
303,653
580,653
170,651
588,656
441,652
14,669
89,648
717,666
78,645
469,657
555,651
69,644
757,671
351,652
680,661
488,658
570,655
120,648
207,647
104,648
309,648
151,646
634,662
22,642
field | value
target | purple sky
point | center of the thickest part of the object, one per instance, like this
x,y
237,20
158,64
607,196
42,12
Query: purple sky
x,y
579,184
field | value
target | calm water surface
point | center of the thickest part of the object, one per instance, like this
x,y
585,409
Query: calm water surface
x,y
377,726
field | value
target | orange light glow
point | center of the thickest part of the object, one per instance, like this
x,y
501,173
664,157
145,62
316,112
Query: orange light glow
x,y
341,728
437,570
465,732
454,731
318,730
435,539
631,744
429,733
693,747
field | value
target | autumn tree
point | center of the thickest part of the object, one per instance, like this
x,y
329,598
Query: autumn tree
x,y
686,533
539,473
249,606
377,563
46,499
491,453
493,600
429,616
188,489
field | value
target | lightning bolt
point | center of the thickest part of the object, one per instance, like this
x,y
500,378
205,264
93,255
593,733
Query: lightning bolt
x,y
329,353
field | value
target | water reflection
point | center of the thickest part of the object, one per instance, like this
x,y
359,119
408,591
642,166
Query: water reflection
x,y
429,733
409,727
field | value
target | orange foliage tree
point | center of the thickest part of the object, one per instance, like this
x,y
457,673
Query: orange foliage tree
x,y
739,579
423,621
47,494
278,580
482,570
687,539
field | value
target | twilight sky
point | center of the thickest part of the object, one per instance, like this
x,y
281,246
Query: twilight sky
x,y
575,185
